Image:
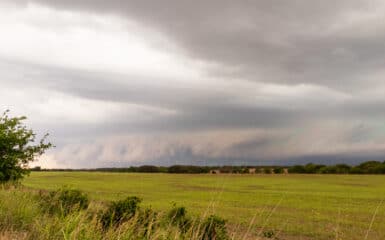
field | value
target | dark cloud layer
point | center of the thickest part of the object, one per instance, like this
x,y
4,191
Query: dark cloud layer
x,y
337,44
307,74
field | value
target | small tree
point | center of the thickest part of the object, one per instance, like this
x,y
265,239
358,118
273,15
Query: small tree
x,y
17,147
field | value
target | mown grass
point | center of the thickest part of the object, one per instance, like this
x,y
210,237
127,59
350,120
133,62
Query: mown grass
x,y
289,206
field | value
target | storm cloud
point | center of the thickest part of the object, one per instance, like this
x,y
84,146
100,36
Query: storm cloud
x,y
120,83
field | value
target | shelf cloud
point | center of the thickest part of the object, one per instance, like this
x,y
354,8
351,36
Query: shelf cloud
x,y
121,83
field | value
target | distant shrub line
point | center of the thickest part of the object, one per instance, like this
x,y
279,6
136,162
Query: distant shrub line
x,y
369,167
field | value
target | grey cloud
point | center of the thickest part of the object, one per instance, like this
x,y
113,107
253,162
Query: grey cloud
x,y
274,41
212,149
192,108
339,45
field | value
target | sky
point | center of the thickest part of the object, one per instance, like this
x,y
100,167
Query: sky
x,y
119,83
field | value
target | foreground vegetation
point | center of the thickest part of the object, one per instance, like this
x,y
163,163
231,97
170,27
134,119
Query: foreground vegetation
x,y
281,206
68,214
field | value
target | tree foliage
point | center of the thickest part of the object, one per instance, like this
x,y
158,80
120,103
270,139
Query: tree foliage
x,y
18,147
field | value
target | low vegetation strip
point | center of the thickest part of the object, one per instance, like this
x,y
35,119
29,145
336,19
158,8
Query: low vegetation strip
x,y
370,167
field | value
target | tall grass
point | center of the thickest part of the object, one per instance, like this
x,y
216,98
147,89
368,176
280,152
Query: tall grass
x,y
63,215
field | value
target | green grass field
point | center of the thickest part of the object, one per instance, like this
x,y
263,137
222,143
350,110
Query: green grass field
x,y
292,206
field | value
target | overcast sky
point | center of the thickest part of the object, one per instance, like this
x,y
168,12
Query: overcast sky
x,y
120,83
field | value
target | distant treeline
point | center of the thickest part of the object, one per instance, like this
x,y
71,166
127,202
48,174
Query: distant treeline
x,y
161,169
370,167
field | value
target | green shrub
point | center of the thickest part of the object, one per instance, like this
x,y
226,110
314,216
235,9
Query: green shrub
x,y
214,228
313,168
64,201
120,211
356,170
187,169
278,170
297,169
267,170
17,147
148,169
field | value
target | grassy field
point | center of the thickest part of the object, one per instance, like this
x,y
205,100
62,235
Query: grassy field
x,y
291,206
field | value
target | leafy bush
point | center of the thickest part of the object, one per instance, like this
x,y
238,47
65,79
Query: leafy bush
x,y
187,169
64,201
336,169
297,169
120,211
278,170
313,168
17,148
267,170
148,169
372,167
356,170
343,168
214,228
